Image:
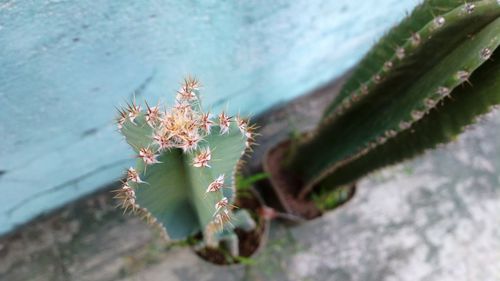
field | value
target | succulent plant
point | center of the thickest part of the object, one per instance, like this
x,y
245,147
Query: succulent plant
x,y
420,85
183,182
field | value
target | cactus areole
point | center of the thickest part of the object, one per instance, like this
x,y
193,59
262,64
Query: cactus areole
x,y
419,86
183,182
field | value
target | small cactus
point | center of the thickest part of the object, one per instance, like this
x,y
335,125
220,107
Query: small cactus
x,y
183,182
419,86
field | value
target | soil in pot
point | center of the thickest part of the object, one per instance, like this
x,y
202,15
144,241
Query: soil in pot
x,y
249,242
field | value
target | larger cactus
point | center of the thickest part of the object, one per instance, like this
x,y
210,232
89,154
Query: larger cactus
x,y
183,182
419,86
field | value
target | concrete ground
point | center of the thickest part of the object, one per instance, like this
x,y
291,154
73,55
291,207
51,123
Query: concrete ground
x,y
435,218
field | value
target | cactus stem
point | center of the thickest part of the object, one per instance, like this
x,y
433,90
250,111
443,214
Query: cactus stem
x,y
451,46
173,136
426,33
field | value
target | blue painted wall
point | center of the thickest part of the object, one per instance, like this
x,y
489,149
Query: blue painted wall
x,y
64,65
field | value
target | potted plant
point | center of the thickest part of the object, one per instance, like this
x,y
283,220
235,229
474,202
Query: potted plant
x,y
183,181
419,86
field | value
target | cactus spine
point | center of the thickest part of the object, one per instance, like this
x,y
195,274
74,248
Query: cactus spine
x,y
407,94
183,182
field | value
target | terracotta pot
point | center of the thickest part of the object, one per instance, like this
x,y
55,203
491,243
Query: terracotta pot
x,y
286,186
